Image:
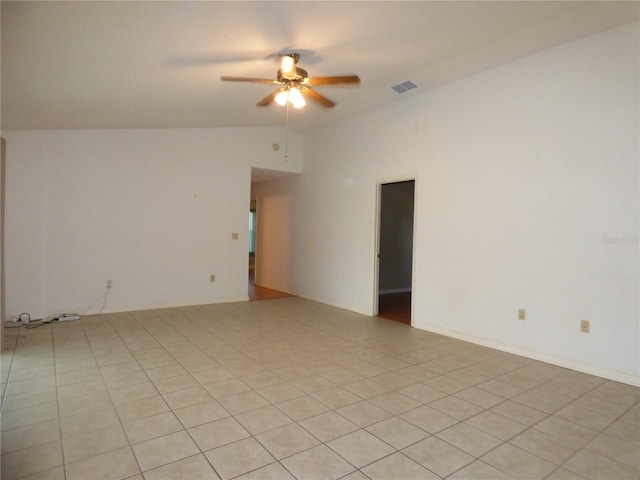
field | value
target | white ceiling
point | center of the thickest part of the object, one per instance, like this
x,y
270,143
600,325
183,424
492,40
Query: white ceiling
x,y
157,64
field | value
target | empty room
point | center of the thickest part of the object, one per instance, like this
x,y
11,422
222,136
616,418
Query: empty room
x,y
320,240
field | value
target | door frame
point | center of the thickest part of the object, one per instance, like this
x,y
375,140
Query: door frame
x,y
376,238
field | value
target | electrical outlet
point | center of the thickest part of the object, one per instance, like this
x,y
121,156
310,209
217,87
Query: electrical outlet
x,y
109,283
522,313
585,326
212,278
234,236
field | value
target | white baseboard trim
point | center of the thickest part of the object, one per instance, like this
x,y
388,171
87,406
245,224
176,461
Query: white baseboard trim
x,y
614,375
331,303
140,308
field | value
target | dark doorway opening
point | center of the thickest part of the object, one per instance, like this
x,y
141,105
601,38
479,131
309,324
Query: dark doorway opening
x,y
395,250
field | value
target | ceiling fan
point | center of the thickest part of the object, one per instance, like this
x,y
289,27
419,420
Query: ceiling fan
x,y
294,84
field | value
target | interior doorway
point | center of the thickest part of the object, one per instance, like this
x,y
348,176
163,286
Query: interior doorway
x,y
395,250
257,292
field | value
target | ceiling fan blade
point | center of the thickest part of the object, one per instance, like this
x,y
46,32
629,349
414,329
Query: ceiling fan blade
x,y
337,80
268,100
248,79
318,98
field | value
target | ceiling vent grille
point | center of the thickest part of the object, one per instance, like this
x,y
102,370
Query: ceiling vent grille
x,y
404,86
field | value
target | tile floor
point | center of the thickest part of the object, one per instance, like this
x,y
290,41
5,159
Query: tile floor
x,y
290,388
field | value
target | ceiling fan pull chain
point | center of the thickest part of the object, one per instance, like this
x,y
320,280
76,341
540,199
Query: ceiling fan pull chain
x,y
286,138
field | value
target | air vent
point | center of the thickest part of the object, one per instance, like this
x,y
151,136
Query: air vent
x,y
404,86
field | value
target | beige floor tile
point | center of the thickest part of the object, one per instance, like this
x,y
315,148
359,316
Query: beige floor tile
x,y
545,446
624,431
239,457
600,405
585,417
479,397
398,466
562,473
31,399
394,402
313,384
93,443
299,356
397,432
319,462
243,402
226,387
595,467
29,416
259,380
438,456
27,373
280,391
200,413
78,389
341,376
445,384
165,372
273,471
456,408
302,407
56,473
478,470
133,392
115,465
615,449
336,397
174,384
29,461
88,421
126,379
141,408
365,388
152,427
393,380
360,448
422,393
263,419
212,375
163,450
215,434
78,376
285,441
518,463
572,433
30,385
469,439
85,403
428,419
502,389
193,468
328,426
161,360
496,425
30,436
363,413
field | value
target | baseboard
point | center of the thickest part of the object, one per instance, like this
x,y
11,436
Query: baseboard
x,y
331,303
534,355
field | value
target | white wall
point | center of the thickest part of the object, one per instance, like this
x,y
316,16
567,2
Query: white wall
x,y
151,210
527,197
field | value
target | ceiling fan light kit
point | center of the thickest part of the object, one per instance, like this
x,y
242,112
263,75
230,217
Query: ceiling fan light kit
x,y
295,84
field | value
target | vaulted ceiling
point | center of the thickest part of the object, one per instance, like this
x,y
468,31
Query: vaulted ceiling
x,y
145,64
